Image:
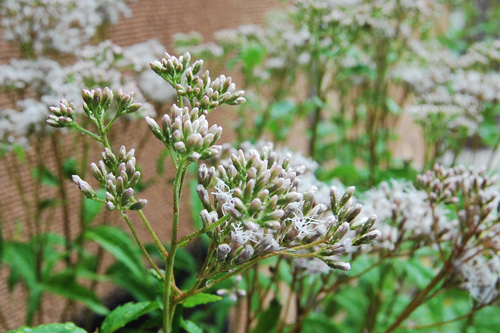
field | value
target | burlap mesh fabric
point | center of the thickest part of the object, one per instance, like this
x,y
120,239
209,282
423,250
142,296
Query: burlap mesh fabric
x,y
158,19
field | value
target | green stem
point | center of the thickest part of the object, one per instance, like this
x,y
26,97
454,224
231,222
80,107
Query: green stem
x,y
159,246
168,308
203,230
138,241
89,133
108,126
417,300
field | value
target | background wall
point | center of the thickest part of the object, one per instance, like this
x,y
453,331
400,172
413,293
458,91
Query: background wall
x,y
158,19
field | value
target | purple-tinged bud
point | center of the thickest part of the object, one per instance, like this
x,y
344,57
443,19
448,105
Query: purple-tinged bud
x,y
343,266
336,249
197,66
110,206
206,218
367,238
180,147
135,179
308,200
138,205
340,232
102,168
271,204
109,157
273,225
289,198
255,206
368,224
194,157
156,66
96,172
84,187
245,255
222,251
347,196
204,197
352,212
126,196
235,213
120,186
110,197
263,195
275,215
155,128
247,193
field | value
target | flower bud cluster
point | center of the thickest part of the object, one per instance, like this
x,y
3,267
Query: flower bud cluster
x,y
61,116
404,215
118,175
255,193
96,102
473,198
187,133
202,92
120,182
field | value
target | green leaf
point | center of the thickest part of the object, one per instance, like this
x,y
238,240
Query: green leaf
x,y
185,261
392,106
488,131
46,177
20,153
319,323
126,313
64,284
119,244
252,55
92,208
269,318
190,327
143,287
201,298
70,167
50,328
21,261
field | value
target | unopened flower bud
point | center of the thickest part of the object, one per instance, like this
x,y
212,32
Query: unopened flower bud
x,y
347,196
340,232
352,212
343,266
366,238
368,224
204,197
222,251
245,255
84,187
140,204
155,128
126,196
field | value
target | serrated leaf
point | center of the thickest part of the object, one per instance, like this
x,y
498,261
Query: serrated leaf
x,y
50,328
126,313
201,298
